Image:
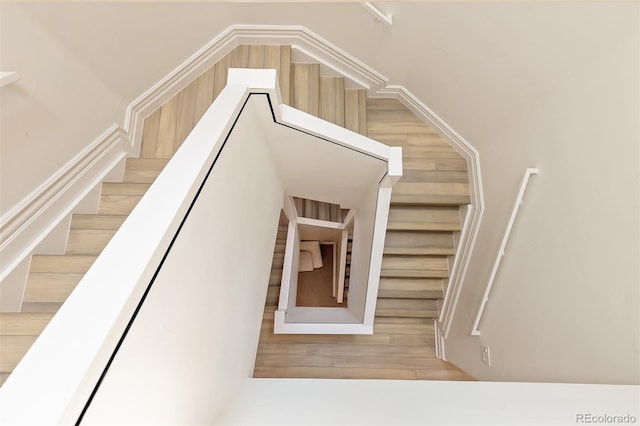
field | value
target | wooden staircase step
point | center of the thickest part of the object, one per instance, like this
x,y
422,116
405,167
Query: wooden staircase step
x,y
118,204
12,349
423,218
421,308
403,321
23,323
278,260
97,221
429,152
88,241
441,164
275,278
166,128
430,193
324,211
419,242
43,307
403,328
109,188
273,294
305,87
435,176
414,266
71,264
411,288
314,209
50,287
143,170
332,100
355,110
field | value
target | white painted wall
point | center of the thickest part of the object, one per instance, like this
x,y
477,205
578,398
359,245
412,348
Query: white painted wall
x,y
196,336
57,108
391,402
565,303
363,227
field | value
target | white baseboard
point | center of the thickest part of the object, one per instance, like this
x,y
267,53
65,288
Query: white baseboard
x,y
25,226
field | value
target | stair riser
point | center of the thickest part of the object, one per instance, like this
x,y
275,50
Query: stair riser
x,y
88,241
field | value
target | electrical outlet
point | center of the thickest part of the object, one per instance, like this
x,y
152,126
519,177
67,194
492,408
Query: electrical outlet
x,y
486,355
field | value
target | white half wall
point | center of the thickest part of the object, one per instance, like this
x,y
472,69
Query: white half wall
x,y
195,338
392,402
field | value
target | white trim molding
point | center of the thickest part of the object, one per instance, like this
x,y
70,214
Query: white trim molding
x,y
439,339
298,37
473,217
475,331
28,223
8,77
380,16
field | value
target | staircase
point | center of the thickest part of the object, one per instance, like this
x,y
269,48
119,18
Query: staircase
x,y
423,216
52,277
419,245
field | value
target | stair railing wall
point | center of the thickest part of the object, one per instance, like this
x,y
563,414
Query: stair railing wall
x,y
61,373
75,370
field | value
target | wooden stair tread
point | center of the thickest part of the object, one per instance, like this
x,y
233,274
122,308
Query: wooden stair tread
x,y
410,288
118,204
305,87
429,188
88,241
97,221
143,170
415,262
109,188
78,264
44,307
434,176
355,106
429,151
423,218
439,200
416,242
12,349
23,323
50,287
433,164
408,304
332,106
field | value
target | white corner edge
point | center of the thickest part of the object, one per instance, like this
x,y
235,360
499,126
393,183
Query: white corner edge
x,y
8,77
